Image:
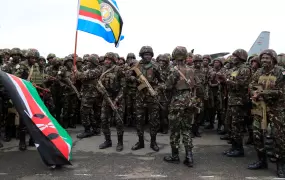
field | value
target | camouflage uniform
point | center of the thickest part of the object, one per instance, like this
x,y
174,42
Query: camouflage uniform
x,y
70,98
25,70
144,101
238,95
130,92
179,109
164,97
114,82
89,96
270,77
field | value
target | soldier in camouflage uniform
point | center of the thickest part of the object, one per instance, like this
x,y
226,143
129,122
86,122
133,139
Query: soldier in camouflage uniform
x,y
145,103
24,54
189,60
198,73
5,56
180,109
113,80
206,68
131,89
271,79
70,98
164,97
281,60
216,95
238,93
89,95
10,67
25,70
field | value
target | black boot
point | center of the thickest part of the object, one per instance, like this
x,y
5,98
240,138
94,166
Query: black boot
x,y
188,157
1,145
96,132
22,143
107,143
210,126
261,163
153,144
72,122
31,142
139,145
192,131
174,157
250,138
280,168
225,137
196,132
237,150
7,134
120,145
87,133
165,129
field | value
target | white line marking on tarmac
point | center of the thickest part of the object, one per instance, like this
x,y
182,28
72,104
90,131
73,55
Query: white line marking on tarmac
x,y
3,174
83,174
43,174
251,178
206,177
158,176
121,175
279,178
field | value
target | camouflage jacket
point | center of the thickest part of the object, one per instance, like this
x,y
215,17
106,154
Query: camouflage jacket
x,y
89,80
164,95
272,80
23,70
66,80
238,90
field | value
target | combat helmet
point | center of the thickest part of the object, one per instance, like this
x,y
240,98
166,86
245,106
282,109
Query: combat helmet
x,y
179,53
67,58
208,57
241,54
131,56
220,60
93,59
85,57
271,53
50,56
33,53
281,59
112,56
16,51
146,49
197,57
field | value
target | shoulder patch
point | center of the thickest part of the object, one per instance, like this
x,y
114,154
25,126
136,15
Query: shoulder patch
x,y
18,66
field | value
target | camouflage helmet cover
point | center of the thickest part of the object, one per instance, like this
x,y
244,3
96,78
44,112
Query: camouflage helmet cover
x,y
24,52
79,59
179,53
190,54
95,55
197,57
93,59
131,56
241,54
6,51
220,60
33,53
85,57
68,58
111,55
255,59
208,57
271,53
281,59
146,49
16,51
51,55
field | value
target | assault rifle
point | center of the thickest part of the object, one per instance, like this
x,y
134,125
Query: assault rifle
x,y
145,84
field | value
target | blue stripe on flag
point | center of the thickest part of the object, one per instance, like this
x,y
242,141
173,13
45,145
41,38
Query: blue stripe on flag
x,y
96,29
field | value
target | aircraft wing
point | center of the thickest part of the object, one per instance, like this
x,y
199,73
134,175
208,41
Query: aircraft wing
x,y
260,44
216,55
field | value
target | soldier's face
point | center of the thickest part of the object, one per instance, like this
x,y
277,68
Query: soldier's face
x,y
266,61
147,57
205,62
197,64
16,58
235,60
69,64
217,64
162,63
32,60
254,64
79,64
108,62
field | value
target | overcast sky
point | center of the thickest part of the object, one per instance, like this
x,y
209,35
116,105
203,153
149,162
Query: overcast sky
x,y
208,26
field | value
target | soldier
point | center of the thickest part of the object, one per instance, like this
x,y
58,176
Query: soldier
x,y
24,54
281,60
180,82
5,55
216,96
131,89
189,60
145,102
199,73
237,99
25,70
206,68
164,97
70,94
89,95
113,81
271,80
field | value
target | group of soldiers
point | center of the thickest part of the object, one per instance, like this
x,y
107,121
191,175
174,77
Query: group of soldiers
x,y
180,92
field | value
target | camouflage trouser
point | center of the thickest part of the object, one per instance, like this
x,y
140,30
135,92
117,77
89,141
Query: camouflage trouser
x,y
237,114
153,111
69,109
277,119
228,122
130,103
163,114
106,114
216,109
179,123
86,112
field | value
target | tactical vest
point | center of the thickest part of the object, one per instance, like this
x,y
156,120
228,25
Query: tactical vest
x,y
267,81
37,76
181,83
111,81
147,71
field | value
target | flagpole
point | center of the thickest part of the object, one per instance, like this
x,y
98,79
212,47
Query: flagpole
x,y
76,35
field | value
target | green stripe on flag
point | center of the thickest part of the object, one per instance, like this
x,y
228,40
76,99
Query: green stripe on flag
x,y
94,11
62,132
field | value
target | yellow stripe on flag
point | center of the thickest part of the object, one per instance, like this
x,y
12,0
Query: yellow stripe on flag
x,y
93,4
115,26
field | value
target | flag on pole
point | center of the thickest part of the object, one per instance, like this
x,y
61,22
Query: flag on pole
x,y
52,141
101,18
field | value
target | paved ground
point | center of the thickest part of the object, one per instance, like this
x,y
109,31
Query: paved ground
x,y
91,163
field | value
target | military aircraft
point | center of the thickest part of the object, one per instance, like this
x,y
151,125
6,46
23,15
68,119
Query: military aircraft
x,y
260,44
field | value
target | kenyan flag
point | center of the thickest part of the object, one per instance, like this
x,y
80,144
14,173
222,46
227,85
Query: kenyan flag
x,y
52,141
